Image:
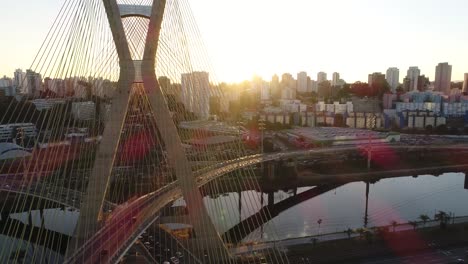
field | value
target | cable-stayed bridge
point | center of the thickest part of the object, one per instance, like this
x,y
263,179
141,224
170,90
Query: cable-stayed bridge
x,y
113,78
109,156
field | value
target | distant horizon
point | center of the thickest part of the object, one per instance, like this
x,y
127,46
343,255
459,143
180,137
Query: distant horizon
x,y
253,76
354,38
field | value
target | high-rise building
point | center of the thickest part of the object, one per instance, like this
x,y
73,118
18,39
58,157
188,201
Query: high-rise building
x,y
465,83
287,81
376,80
313,86
196,93
393,78
18,80
443,78
413,76
335,79
6,87
5,82
56,86
423,83
275,87
265,94
321,77
302,82
32,84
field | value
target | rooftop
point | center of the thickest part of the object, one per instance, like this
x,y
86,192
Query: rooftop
x,y
339,134
212,126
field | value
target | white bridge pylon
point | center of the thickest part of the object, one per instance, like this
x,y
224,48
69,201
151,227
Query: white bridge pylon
x,y
143,72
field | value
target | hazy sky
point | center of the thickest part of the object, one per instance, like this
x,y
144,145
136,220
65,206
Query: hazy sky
x,y
247,37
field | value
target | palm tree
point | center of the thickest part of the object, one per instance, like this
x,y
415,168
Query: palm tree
x,y
442,217
360,231
424,218
319,222
381,231
349,232
394,225
414,224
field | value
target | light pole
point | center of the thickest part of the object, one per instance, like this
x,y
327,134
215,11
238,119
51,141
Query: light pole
x,y
319,222
261,127
369,152
239,126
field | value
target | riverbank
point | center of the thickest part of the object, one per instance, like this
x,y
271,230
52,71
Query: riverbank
x,y
384,243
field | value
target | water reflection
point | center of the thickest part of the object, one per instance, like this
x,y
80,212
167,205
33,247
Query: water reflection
x,y
55,224
397,199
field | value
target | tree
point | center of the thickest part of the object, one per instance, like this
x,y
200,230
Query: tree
x,y
443,217
381,231
319,222
360,231
349,232
429,129
414,224
379,89
442,129
361,89
324,89
424,218
344,92
394,225
368,236
215,105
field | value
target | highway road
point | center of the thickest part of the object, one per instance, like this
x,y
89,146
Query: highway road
x,y
438,256
123,228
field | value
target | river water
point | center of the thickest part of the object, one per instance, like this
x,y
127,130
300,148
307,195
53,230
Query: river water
x,y
396,199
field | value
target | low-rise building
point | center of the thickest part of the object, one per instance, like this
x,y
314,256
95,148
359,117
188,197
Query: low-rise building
x,y
8,131
83,110
342,136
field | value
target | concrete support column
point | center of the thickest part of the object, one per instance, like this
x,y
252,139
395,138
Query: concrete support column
x,y
210,241
41,213
270,174
466,182
366,215
271,199
240,206
88,221
30,220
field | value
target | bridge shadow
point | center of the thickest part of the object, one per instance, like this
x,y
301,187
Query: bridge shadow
x,y
238,232
40,236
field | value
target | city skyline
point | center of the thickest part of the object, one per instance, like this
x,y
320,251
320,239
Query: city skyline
x,y
274,46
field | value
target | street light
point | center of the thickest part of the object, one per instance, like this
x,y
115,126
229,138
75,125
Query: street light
x,y
261,127
239,126
369,152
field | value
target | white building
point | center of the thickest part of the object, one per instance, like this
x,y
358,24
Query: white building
x,y
32,84
55,85
443,78
413,76
8,131
265,94
465,83
196,93
18,79
393,78
6,86
302,82
335,79
45,104
313,86
321,77
5,82
83,110
288,93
